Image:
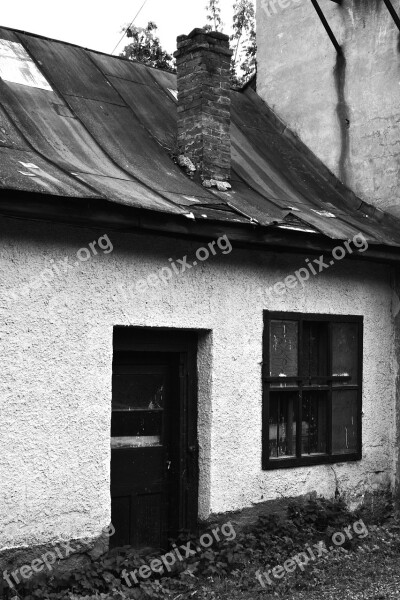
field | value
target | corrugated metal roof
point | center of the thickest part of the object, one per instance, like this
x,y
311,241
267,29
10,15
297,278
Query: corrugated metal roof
x,y
81,124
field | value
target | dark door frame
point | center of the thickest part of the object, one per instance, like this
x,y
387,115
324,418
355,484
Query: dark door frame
x,y
184,343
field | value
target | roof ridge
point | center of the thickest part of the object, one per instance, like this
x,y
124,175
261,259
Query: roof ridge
x,y
57,41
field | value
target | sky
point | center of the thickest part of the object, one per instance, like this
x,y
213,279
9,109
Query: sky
x,y
97,25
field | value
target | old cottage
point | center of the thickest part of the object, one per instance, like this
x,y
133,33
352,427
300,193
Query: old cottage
x,y
197,315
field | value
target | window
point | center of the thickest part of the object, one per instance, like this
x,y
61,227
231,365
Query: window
x,y
312,375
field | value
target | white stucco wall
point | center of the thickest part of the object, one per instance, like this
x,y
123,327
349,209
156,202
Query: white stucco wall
x,y
55,379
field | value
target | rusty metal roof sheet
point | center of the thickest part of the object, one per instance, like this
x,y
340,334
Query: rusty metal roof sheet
x,y
81,124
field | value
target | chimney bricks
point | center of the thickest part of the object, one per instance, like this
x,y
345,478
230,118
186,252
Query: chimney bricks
x,y
204,116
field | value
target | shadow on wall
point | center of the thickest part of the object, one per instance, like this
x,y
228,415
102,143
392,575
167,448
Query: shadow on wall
x,y
343,112
364,7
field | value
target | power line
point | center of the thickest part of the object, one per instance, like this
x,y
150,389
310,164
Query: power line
x,y
129,26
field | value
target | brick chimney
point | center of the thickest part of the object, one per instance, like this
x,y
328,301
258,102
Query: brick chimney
x,y
204,104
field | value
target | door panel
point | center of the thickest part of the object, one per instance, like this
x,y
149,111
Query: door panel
x,y
145,442
121,520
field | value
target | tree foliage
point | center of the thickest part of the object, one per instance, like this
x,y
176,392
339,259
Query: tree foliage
x,y
146,48
243,37
214,16
244,63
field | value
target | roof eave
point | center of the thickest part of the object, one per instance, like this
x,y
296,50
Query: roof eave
x,y
100,213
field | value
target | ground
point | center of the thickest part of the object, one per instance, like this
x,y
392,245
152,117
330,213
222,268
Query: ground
x,y
318,550
369,573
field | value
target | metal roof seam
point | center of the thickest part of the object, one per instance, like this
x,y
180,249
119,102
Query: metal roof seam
x,y
159,86
274,203
103,150
37,151
330,178
125,79
268,111
110,157
363,231
87,98
243,127
48,160
153,137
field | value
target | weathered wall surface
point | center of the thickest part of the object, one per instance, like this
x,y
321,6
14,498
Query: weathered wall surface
x,y
56,362
396,315
347,111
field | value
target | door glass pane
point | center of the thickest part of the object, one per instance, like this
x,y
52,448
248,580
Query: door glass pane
x,y
136,422
344,422
138,391
315,352
345,352
314,423
283,350
137,406
282,424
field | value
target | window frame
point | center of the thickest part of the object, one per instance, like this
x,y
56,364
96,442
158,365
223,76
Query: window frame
x,y
328,458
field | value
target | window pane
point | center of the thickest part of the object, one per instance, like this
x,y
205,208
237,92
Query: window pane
x,y
314,423
344,422
284,349
315,351
345,351
282,424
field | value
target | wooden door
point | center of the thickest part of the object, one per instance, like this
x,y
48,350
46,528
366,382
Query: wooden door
x,y
145,448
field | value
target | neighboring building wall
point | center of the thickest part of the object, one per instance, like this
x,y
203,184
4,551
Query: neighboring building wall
x,y
346,111
396,315
56,364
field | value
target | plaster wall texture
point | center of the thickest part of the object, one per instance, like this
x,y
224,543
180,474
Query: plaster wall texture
x,y
56,363
346,111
